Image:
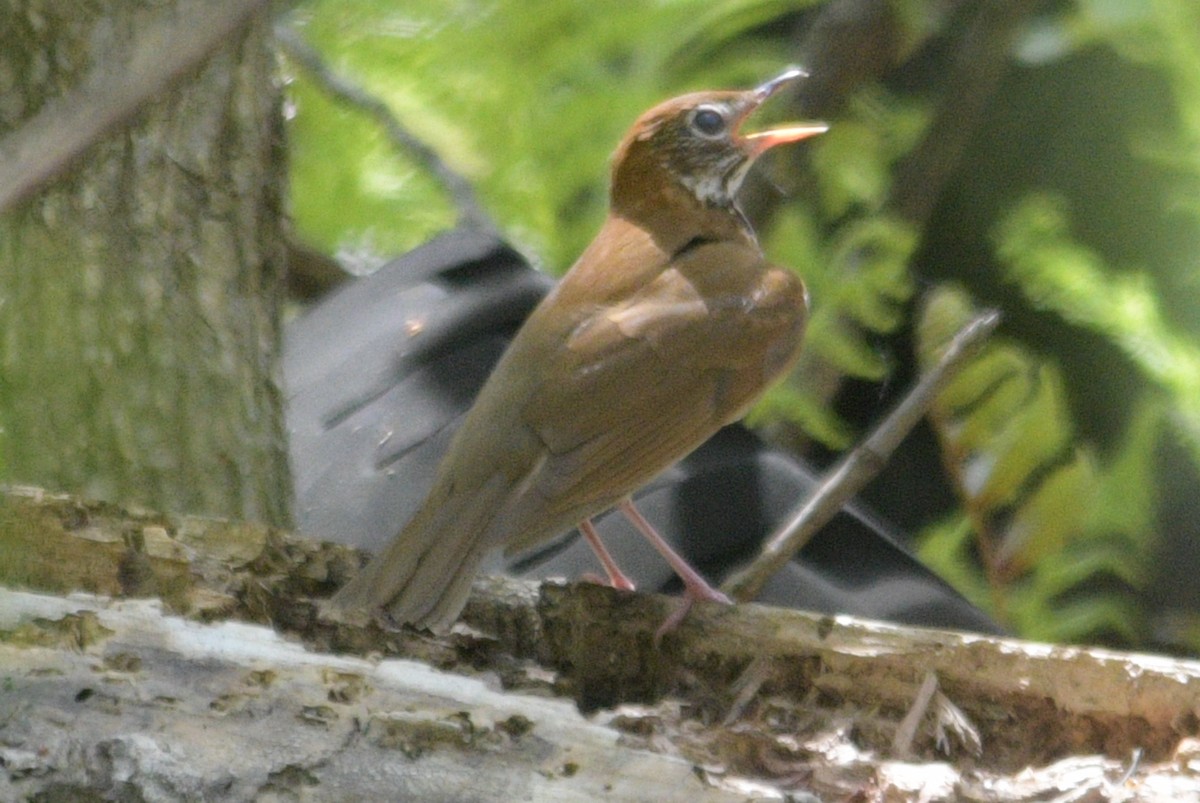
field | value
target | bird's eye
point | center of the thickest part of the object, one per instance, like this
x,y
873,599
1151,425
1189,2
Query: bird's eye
x,y
708,122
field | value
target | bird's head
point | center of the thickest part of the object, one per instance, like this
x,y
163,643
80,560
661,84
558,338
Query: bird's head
x,y
695,143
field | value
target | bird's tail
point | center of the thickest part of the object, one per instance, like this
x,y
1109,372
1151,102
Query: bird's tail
x,y
423,577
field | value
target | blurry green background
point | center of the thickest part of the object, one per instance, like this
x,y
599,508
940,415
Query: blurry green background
x,y
1057,481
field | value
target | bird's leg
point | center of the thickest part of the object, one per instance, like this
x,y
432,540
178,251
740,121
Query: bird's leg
x,y
616,578
695,587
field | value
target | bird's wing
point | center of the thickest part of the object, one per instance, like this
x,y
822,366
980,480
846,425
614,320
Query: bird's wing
x,y
642,382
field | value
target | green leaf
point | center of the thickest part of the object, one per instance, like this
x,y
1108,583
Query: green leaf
x,y
982,397
850,163
946,547
1075,620
1053,515
1083,560
1059,274
843,347
1126,500
785,402
1034,435
1043,509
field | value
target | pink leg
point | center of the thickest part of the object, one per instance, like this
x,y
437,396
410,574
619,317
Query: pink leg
x,y
695,586
616,577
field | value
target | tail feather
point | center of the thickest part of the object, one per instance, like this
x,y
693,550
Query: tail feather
x,y
424,575
438,613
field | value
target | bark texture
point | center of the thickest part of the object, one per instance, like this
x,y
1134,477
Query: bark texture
x,y
169,700
139,293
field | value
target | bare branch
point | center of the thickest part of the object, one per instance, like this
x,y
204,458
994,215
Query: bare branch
x,y
176,41
470,212
859,466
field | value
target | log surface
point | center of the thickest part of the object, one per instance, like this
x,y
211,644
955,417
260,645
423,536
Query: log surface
x,y
225,684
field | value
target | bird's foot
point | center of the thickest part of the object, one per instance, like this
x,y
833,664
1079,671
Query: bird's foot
x,y
620,583
691,595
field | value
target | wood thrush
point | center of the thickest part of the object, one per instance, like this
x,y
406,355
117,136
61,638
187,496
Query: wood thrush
x,y
667,328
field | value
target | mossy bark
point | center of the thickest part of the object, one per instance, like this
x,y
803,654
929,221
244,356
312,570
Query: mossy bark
x,y
140,292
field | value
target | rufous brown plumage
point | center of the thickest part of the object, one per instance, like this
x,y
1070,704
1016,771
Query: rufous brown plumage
x,y
668,327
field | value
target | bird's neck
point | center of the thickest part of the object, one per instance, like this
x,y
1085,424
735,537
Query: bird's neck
x,y
653,219
647,195
643,235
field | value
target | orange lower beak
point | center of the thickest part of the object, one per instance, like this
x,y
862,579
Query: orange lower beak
x,y
763,140
781,136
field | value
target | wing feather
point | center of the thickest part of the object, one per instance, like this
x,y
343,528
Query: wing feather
x,y
643,382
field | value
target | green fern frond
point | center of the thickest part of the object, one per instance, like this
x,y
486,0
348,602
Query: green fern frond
x,y
1077,563
858,271
1053,513
853,160
1127,494
1082,619
1061,275
527,103
948,548
860,286
795,402
851,168
1047,516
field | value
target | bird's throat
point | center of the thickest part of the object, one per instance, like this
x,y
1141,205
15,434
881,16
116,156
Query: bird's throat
x,y
676,214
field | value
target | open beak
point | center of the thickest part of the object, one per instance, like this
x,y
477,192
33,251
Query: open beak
x,y
761,141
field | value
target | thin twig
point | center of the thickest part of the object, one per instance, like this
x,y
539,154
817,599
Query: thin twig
x,y
906,732
470,212
171,44
859,466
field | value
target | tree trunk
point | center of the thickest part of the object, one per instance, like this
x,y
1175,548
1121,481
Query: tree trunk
x,y
139,293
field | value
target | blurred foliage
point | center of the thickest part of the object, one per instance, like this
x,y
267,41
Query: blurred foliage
x,y
1050,538
1052,532
854,256
1061,275
526,99
861,276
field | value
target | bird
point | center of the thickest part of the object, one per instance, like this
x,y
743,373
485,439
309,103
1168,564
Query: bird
x,y
668,327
